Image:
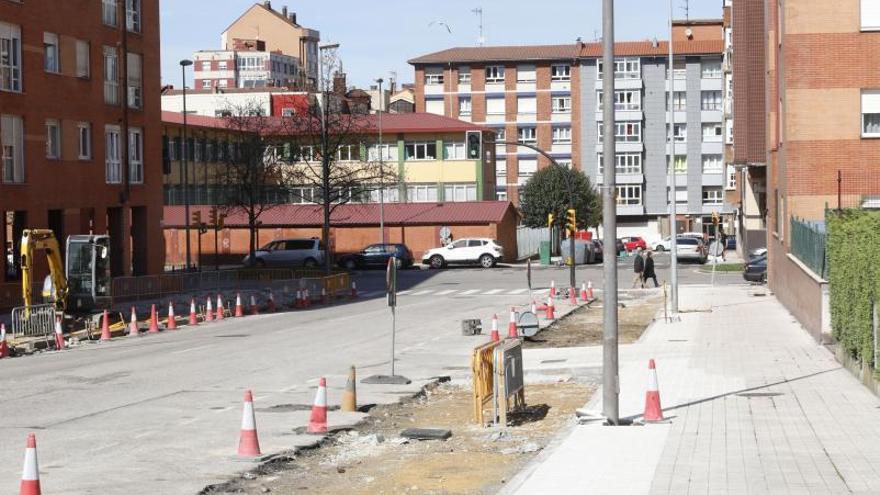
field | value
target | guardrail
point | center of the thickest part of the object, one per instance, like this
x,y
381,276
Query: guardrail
x,y
33,321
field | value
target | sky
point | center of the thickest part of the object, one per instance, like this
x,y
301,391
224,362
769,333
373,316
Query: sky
x,y
378,37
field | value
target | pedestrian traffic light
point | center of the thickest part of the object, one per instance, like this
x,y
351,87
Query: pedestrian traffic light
x,y
715,219
197,218
474,145
212,216
571,220
550,220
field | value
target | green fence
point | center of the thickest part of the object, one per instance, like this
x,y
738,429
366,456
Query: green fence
x,y
808,245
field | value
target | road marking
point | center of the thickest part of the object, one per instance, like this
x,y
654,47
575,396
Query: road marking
x,y
422,292
517,291
492,292
190,349
404,292
445,292
469,292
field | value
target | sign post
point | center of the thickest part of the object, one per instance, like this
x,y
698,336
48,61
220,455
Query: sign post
x,y
529,277
391,293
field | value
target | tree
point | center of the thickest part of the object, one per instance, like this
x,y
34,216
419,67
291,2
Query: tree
x,y
548,192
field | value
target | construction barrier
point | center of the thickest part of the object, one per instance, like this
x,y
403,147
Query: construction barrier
x,y
482,360
498,377
33,321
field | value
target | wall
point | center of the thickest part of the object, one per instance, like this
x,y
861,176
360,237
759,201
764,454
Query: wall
x,y
208,103
797,288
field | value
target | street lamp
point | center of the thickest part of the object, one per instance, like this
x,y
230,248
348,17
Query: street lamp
x,y
673,228
381,166
183,65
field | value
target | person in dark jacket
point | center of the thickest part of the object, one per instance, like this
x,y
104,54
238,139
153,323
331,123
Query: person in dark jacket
x,y
638,269
649,270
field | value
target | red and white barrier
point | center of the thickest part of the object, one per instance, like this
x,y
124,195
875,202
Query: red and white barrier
x,y
30,475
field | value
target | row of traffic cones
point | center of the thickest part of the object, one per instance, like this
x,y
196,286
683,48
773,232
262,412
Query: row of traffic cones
x,y
512,331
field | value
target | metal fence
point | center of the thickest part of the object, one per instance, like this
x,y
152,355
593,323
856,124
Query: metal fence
x,y
528,240
808,245
33,321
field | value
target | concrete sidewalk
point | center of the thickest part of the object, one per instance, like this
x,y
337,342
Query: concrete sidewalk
x,y
754,406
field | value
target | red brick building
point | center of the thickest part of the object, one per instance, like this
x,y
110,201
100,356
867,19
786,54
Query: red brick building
x,y
80,125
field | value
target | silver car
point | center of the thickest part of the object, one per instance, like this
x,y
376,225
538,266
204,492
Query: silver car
x,y
690,248
288,253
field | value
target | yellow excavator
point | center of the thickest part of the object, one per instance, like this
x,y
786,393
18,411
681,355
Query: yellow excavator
x,y
80,286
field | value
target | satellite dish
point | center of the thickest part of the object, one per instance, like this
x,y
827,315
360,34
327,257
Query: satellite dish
x,y
689,33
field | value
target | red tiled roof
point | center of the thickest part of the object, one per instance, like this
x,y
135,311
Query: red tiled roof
x,y
648,48
193,120
396,214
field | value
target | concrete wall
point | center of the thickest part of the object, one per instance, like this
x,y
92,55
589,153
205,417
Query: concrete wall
x,y
801,291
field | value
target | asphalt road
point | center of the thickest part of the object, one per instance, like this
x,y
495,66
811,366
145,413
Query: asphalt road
x,y
161,414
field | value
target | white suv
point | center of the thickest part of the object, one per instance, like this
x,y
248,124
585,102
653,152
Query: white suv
x,y
485,252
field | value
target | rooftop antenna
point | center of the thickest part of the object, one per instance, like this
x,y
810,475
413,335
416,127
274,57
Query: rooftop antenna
x,y
479,11
687,10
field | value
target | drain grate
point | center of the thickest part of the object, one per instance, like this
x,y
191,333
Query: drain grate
x,y
759,394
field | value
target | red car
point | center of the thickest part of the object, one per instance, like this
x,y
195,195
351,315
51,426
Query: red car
x,y
631,243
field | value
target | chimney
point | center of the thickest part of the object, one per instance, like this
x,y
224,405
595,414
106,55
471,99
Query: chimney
x,y
339,83
284,11
293,17
267,4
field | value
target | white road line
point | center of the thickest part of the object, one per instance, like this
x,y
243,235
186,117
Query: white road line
x,y
423,292
469,292
517,291
190,349
445,292
404,292
492,292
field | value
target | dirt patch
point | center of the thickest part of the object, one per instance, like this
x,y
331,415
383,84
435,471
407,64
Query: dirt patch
x,y
583,327
374,459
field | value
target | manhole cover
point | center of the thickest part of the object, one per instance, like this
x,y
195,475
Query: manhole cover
x,y
232,336
759,394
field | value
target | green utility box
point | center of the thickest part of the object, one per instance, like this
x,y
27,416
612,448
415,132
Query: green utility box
x,y
544,252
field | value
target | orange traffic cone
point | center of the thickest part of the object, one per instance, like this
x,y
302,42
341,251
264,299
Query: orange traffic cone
x,y
653,411
171,324
550,309
4,347
105,327
552,288
154,320
307,298
584,292
219,308
318,420
512,332
239,311
354,290
590,289
297,303
324,298
270,305
132,324
193,316
30,476
209,310
248,443
254,309
59,335
494,334
572,296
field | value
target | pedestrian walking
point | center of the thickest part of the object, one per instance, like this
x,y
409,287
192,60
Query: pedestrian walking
x,y
638,269
649,270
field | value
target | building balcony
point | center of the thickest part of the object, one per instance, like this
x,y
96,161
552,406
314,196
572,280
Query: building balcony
x,y
624,147
622,178
623,115
630,210
713,179
628,83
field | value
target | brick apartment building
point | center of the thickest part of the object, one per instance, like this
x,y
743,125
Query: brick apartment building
x,y
80,125
549,96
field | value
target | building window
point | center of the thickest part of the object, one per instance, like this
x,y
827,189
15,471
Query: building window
x,y
624,132
112,154
679,101
679,132
222,65
460,192
84,140
870,14
495,106
526,105
109,12
495,74
680,164
711,69
206,84
50,53
10,57
679,70
712,133
454,151
527,167
500,134
710,100
464,75
562,135
561,104
712,164
421,151
628,195
564,163
83,58
111,76
623,100
624,68
133,15
731,178
135,81
501,193
871,113
12,148
560,72
421,193
525,74
624,163
136,155
464,106
53,140
501,169
349,153
388,152
434,78
713,196
526,135
223,83
206,66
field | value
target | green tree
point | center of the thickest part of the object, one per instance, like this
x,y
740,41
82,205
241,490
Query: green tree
x,y
548,192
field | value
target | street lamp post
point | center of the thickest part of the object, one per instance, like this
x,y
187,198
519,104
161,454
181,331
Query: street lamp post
x,y
381,166
673,228
183,65
325,160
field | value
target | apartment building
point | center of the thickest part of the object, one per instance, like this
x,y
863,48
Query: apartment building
x,y
247,65
550,96
79,126
217,102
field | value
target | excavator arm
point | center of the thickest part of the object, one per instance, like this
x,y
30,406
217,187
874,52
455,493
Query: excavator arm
x,y
42,239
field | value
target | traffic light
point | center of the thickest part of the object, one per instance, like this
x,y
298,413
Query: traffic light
x,y
550,220
474,145
212,216
197,218
571,220
715,219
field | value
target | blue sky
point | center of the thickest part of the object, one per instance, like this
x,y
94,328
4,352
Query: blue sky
x,y
380,36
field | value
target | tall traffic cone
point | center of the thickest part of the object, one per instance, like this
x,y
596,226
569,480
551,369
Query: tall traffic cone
x,y
297,303
653,411
209,310
105,327
590,289
30,475
324,299
171,323
4,347
584,292
512,332
550,309
154,320
219,307
254,309
349,396
318,419
132,324
193,316
354,289
494,334
270,305
572,296
248,443
59,335
239,311
552,288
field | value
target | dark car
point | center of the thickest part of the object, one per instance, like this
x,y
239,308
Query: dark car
x,y
598,251
756,269
376,256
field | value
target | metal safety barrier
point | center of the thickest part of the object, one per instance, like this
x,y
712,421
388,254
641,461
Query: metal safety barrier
x,y
33,321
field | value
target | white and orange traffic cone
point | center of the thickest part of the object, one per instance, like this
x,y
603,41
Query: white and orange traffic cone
x,y
4,347
552,288
551,311
572,296
193,316
209,310
30,475
494,335
512,333
318,419
239,311
307,298
584,297
354,289
653,411
154,320
324,298
590,289
248,443
219,307
105,327
132,324
171,323
270,304
254,309
59,335
297,303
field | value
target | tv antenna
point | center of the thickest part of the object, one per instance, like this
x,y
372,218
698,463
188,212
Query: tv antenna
x,y
479,12
687,10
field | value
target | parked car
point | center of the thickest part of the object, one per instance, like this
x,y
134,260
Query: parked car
x,y
376,256
289,252
757,253
485,252
756,269
631,243
731,242
690,248
598,251
663,245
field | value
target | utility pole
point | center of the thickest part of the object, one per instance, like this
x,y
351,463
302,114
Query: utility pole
x,y
610,378
381,168
673,228
185,167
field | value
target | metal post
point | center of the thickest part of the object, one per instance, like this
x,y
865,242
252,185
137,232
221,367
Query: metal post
x,y
381,168
393,336
673,228
571,269
610,378
183,65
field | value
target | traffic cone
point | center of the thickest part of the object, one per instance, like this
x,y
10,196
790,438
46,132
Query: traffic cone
x,y
534,308
494,334
219,308
584,293
349,396
209,310
239,311
550,309
154,320
653,411
552,288
318,420
132,324
354,290
193,316
105,327
254,309
270,305
59,336
307,298
30,475
248,443
324,300
297,303
171,324
572,296
590,289
512,332
4,347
